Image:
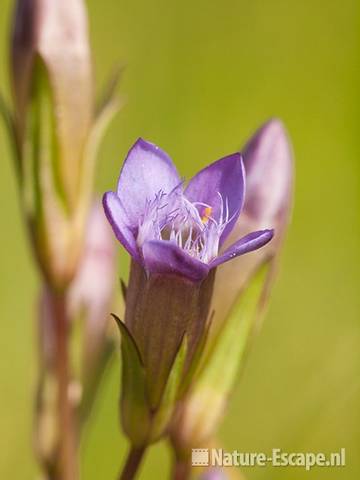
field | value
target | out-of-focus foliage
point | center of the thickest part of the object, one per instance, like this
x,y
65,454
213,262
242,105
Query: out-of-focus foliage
x,y
200,77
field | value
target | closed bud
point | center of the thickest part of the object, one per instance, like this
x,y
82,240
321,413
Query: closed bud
x,y
55,128
241,286
55,32
92,291
269,182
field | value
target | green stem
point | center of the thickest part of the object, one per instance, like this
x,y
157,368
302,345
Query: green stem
x,y
132,463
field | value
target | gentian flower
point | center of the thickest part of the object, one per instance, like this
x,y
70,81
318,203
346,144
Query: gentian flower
x,y
171,229
175,235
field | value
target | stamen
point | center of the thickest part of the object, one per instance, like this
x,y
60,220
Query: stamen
x,y
206,215
190,226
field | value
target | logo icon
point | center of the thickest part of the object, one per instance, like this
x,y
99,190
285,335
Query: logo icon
x,y
200,457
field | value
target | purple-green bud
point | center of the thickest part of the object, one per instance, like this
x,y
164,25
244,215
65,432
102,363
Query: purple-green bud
x,y
56,33
241,286
91,293
268,164
56,129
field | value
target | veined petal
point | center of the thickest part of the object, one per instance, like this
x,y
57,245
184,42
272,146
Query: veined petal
x,y
147,170
117,217
221,185
250,242
162,256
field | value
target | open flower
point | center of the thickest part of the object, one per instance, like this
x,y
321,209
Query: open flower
x,y
169,228
174,234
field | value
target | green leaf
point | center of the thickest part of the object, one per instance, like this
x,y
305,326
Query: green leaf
x,y
9,122
92,385
134,406
109,93
197,358
221,364
171,391
106,109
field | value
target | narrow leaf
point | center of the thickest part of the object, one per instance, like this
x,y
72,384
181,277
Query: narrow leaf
x,y
223,360
9,122
134,407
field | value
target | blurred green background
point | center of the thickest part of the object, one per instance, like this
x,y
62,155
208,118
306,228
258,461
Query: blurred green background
x,y
200,78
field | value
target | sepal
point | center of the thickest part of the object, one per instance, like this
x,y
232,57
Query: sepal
x,y
166,408
135,414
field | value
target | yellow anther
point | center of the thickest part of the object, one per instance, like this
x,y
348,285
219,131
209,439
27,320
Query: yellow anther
x,y
206,215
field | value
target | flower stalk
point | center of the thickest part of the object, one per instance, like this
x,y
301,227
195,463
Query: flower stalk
x,y
132,463
67,466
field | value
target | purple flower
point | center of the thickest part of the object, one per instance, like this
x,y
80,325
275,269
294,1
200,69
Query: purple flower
x,y
171,228
175,235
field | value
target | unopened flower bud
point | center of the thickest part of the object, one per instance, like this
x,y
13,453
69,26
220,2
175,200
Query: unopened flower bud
x,y
56,33
269,180
92,291
56,129
240,285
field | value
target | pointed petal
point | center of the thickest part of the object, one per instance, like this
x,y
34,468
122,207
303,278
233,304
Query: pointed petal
x,y
250,242
225,177
116,215
162,256
146,171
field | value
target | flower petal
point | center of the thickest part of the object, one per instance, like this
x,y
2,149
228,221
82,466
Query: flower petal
x,y
147,170
225,177
116,215
162,256
250,242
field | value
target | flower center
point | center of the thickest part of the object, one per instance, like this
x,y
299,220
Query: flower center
x,y
190,226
